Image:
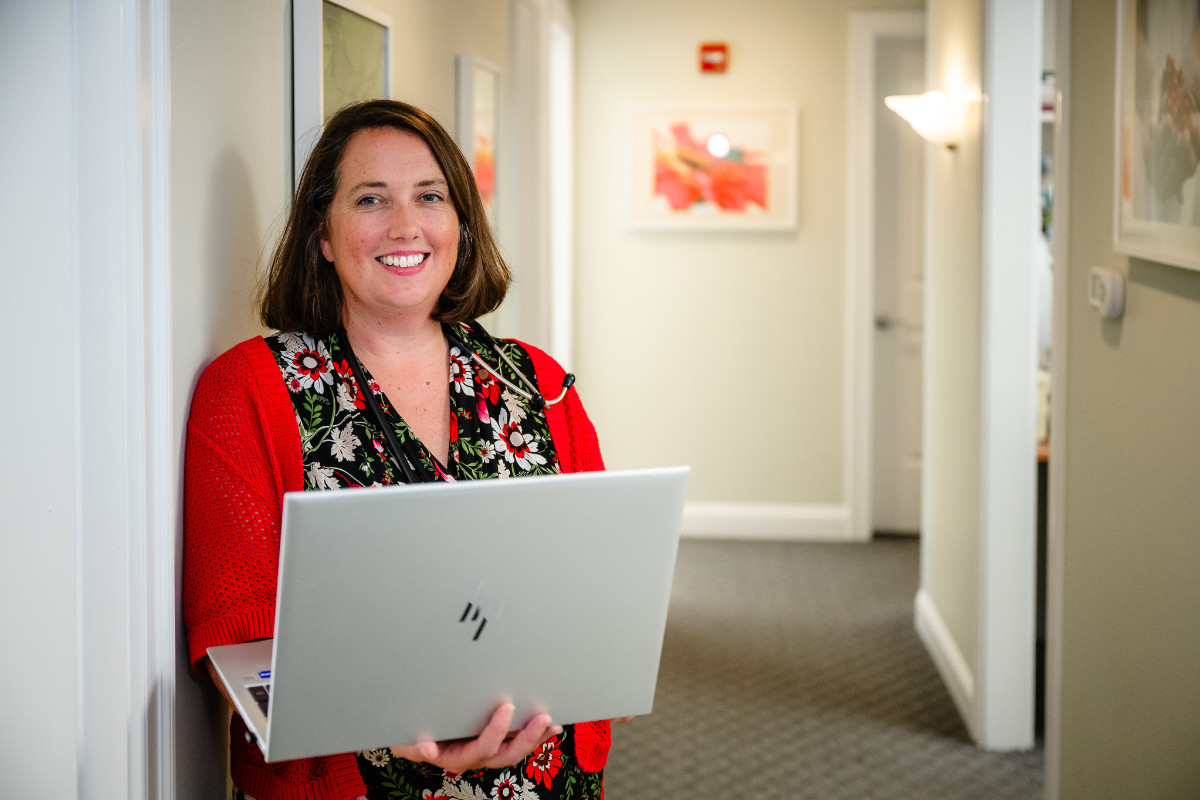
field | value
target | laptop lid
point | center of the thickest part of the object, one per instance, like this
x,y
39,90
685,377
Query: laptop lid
x,y
411,612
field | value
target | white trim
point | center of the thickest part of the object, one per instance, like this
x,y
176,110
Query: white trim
x,y
161,466
561,154
535,181
125,569
858,435
949,660
1008,447
768,522
1056,521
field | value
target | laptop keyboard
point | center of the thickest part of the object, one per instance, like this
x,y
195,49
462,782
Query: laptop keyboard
x,y
261,696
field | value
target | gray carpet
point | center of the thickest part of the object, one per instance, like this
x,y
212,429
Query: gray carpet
x,y
793,671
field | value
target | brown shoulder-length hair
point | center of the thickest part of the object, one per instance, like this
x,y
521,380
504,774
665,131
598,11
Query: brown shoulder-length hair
x,y
301,290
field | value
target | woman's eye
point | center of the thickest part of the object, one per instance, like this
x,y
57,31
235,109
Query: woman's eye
x,y
369,200
431,197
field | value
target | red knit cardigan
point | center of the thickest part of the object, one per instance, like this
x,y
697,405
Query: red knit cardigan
x,y
243,452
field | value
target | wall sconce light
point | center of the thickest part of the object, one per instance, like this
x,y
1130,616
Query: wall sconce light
x,y
935,115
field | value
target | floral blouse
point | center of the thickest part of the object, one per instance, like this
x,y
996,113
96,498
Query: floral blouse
x,y
494,433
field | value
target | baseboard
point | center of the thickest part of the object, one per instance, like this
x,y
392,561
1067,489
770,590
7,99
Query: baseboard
x,y
767,522
948,658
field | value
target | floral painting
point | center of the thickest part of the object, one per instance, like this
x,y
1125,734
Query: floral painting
x,y
1158,185
688,171
714,167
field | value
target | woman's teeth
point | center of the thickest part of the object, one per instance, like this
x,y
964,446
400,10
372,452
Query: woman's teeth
x,y
403,261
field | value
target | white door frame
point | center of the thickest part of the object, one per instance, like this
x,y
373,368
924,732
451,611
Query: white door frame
x,y
1056,522
536,173
125,466
1005,664
865,29
560,97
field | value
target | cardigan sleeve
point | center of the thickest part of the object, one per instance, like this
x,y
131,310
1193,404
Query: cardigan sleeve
x,y
241,422
242,454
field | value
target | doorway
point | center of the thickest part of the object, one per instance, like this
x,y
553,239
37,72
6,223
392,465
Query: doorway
x,y
899,273
885,280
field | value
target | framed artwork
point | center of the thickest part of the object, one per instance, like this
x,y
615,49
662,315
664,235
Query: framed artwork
x,y
478,117
341,53
1157,209
714,166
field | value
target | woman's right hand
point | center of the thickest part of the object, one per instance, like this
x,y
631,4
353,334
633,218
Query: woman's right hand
x,y
492,749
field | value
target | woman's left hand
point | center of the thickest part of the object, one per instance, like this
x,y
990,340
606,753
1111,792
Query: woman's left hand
x,y
492,749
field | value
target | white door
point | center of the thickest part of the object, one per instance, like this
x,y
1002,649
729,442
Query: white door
x,y
899,289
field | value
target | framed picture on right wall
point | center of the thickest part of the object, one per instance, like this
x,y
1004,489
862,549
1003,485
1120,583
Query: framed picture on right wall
x,y
1158,131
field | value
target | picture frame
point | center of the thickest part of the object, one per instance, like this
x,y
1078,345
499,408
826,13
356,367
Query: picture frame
x,y
341,53
714,166
1156,180
478,122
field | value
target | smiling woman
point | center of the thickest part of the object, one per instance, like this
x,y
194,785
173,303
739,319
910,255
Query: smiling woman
x,y
373,379
391,231
301,293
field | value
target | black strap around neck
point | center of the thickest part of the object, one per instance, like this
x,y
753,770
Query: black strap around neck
x,y
395,450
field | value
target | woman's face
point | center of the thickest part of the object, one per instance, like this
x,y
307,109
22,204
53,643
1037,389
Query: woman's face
x,y
392,231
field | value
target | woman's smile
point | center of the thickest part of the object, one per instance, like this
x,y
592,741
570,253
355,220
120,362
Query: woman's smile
x,y
403,261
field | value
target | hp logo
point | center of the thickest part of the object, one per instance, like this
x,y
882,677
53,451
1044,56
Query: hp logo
x,y
474,617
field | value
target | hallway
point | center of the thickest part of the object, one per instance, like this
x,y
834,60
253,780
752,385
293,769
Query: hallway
x,y
793,670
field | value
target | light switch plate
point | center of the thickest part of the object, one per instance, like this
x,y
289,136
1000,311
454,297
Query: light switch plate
x,y
1106,292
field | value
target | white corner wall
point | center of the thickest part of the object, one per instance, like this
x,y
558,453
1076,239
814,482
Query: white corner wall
x,y
38,516
976,604
948,605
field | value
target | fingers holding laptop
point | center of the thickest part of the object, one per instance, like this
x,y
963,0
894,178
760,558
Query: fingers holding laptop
x,y
491,749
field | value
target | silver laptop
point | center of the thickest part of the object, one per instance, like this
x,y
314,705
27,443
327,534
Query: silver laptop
x,y
410,612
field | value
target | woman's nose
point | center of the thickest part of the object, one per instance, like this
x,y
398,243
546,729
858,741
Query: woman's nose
x,y
402,221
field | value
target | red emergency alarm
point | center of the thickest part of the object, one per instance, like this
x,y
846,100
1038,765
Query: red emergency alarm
x,y
714,56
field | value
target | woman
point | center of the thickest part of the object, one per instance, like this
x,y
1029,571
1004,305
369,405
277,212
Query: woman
x,y
385,263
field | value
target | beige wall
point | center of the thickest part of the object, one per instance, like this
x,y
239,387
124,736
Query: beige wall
x,y
950,524
230,167
1131,593
719,350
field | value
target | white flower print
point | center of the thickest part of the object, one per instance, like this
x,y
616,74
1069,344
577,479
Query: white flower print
x,y
507,787
291,340
343,441
515,409
515,444
460,373
321,477
487,451
345,399
455,789
378,757
309,362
